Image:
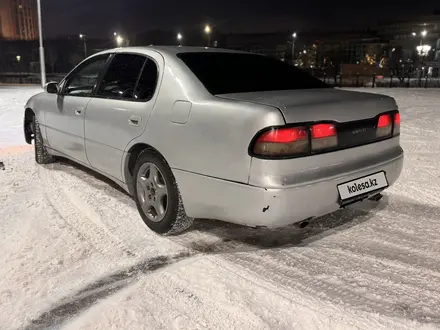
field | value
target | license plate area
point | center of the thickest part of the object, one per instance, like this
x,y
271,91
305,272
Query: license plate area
x,y
361,188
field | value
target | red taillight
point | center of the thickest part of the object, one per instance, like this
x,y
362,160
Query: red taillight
x,y
397,118
311,139
323,131
324,136
284,135
396,129
384,121
384,126
287,141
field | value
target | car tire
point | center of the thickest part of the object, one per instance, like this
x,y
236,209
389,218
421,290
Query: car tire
x,y
173,219
42,156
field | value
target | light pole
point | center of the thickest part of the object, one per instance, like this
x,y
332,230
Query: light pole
x,y
208,33
18,57
293,48
179,38
42,60
84,38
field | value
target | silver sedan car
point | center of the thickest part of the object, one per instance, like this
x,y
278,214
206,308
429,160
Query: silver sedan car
x,y
218,134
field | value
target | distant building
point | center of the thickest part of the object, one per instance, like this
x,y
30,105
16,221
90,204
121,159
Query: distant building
x,y
270,44
313,49
18,19
351,47
407,35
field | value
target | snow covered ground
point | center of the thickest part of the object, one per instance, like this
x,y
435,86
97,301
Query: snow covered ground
x,y
12,101
74,253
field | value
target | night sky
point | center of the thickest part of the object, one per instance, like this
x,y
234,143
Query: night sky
x,y
101,17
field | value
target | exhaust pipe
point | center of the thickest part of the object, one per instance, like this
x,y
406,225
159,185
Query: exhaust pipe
x,y
376,198
303,224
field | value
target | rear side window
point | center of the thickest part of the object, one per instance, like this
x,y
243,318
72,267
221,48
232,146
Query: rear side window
x,y
122,76
224,73
147,82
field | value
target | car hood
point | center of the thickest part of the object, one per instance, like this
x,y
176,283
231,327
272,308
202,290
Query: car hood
x,y
320,104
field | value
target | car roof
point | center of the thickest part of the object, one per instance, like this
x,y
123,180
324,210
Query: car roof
x,y
170,50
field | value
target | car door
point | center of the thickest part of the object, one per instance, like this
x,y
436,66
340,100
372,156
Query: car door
x,y
65,119
119,110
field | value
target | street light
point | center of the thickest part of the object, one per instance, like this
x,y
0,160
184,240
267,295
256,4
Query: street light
x,y
84,38
208,33
42,60
179,38
119,40
115,34
293,47
424,33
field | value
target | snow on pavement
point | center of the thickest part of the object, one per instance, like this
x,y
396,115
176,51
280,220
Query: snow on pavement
x,y
12,101
76,255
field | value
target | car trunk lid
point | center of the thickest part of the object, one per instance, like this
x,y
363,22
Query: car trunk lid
x,y
299,106
356,114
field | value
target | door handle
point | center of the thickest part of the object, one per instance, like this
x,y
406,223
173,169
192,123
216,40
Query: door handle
x,y
78,112
134,120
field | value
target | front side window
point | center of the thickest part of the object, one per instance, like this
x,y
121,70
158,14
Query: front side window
x,y
122,76
83,79
224,73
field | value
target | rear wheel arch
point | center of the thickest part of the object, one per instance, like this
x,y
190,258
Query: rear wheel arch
x,y
130,161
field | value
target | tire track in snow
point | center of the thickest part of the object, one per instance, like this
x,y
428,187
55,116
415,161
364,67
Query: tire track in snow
x,y
73,305
292,277
95,234
409,275
313,304
389,285
429,195
112,210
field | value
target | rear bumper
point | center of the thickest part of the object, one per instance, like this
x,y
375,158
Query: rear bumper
x,y
211,198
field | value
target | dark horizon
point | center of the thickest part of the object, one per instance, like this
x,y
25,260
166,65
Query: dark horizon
x,y
101,18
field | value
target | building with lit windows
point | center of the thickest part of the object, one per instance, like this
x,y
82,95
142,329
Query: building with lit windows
x,y
406,35
18,19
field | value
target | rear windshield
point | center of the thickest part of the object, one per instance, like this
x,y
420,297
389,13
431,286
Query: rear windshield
x,y
224,73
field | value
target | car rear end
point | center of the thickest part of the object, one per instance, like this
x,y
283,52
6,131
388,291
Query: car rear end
x,y
335,147
315,168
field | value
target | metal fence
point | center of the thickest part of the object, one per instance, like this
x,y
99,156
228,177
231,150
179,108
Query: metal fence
x,y
337,81
27,78
381,81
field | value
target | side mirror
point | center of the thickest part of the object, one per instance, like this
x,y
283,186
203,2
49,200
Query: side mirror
x,y
51,87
